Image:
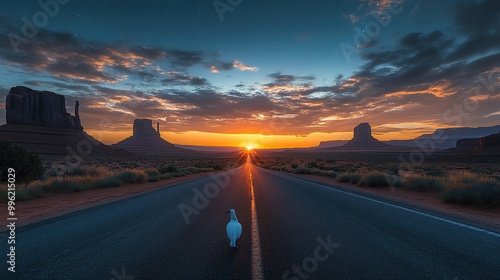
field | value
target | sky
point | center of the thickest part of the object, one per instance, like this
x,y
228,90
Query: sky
x,y
286,73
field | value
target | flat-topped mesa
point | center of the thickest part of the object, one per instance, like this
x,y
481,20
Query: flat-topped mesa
x,y
492,140
144,127
363,139
363,130
25,106
146,140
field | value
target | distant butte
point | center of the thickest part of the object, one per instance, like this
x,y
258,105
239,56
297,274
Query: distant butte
x,y
147,141
38,122
363,140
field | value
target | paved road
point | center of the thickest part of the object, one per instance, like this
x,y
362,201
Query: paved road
x,y
292,229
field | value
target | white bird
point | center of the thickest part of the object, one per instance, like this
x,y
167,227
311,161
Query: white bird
x,y
233,229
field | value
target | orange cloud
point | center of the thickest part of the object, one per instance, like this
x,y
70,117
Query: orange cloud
x,y
440,91
275,89
242,67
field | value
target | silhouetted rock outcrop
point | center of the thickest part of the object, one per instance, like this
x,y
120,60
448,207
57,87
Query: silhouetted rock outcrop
x,y
25,106
481,150
492,140
147,141
56,141
144,127
38,122
468,143
363,139
363,131
332,143
446,138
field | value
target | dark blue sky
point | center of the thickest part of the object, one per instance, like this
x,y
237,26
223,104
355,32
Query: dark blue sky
x,y
298,61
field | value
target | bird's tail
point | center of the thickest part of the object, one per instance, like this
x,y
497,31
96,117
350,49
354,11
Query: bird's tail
x,y
232,243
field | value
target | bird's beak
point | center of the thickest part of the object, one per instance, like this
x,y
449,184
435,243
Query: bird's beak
x,y
228,212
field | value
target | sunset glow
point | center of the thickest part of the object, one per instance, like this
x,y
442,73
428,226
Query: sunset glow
x,y
292,87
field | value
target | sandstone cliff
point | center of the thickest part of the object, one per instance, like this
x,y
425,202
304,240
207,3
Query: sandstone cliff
x,y
25,106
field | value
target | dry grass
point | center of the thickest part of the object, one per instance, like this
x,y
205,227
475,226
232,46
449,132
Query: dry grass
x,y
463,183
472,189
379,179
423,183
108,173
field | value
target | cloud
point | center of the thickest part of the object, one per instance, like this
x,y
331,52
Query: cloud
x,y
184,59
180,79
406,85
69,58
242,67
288,85
480,23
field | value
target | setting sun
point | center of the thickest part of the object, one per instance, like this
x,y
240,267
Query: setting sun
x,y
249,147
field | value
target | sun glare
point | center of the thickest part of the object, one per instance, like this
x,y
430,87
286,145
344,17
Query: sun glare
x,y
249,147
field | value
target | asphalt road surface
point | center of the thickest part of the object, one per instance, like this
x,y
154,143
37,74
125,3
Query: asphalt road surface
x,y
292,229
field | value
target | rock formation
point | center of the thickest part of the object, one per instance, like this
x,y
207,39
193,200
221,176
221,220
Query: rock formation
x,y
147,141
144,127
25,106
363,139
492,140
38,122
363,131
78,123
469,143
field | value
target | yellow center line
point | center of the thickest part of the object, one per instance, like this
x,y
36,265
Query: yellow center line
x,y
256,252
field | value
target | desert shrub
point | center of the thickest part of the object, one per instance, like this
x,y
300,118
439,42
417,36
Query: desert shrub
x,y
484,194
107,182
28,166
52,185
352,178
217,167
168,169
436,173
267,166
379,179
132,176
467,179
153,175
87,171
28,193
166,176
328,173
304,170
294,165
194,170
312,165
23,193
423,183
